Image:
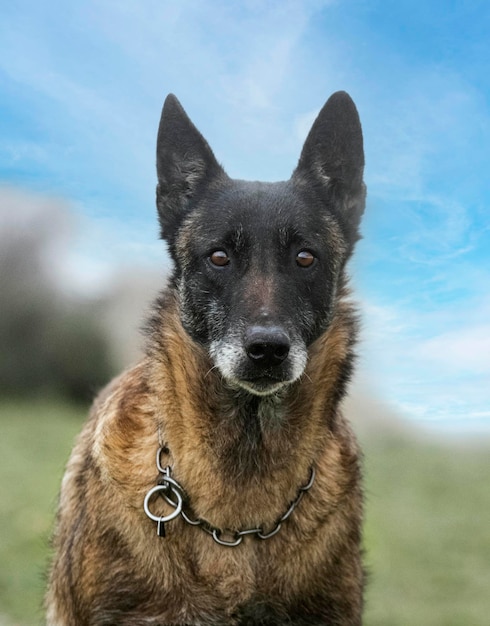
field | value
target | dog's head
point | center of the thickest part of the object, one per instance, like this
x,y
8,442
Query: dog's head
x,y
258,265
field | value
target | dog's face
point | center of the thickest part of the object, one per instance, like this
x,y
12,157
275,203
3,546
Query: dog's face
x,y
257,280
258,265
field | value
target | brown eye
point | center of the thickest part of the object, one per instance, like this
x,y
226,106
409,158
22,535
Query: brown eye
x,y
305,258
219,258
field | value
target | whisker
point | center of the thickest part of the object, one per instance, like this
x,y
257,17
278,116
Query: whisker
x,y
209,371
305,375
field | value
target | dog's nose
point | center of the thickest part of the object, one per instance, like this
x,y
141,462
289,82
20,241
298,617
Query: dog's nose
x,y
266,345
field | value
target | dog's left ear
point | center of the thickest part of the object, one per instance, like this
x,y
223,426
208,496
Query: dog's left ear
x,y
185,162
332,160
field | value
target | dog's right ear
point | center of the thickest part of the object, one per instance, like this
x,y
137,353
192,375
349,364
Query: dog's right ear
x,y
184,163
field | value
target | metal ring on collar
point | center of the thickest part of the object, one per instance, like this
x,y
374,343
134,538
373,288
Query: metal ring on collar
x,y
271,534
216,536
189,520
173,485
163,518
311,480
161,469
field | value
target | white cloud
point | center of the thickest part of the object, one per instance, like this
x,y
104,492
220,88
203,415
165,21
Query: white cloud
x,y
462,350
434,367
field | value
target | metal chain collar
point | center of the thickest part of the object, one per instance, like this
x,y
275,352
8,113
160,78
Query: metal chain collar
x,y
173,493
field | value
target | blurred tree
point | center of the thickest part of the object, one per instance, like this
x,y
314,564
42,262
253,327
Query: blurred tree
x,y
49,343
79,358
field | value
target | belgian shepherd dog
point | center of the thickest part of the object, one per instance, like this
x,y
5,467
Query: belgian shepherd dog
x,y
217,481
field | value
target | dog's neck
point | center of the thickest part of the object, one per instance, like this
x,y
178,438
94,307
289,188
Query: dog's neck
x,y
243,436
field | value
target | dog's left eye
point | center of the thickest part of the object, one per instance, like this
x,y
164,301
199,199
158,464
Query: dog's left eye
x,y
219,258
304,258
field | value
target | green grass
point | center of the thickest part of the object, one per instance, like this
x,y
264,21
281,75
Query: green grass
x,y
427,532
35,442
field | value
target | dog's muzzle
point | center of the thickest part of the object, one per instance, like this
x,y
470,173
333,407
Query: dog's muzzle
x,y
261,359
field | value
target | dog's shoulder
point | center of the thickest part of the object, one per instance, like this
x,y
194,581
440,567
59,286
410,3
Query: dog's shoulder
x,y
112,448
124,427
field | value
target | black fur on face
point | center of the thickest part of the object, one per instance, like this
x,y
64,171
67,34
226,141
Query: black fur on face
x,y
258,265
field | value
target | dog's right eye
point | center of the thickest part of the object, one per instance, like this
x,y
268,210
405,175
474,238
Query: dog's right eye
x,y
219,258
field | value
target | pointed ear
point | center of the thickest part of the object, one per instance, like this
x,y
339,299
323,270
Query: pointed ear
x,y
185,163
332,159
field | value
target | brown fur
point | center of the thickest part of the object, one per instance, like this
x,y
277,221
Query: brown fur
x,y
111,568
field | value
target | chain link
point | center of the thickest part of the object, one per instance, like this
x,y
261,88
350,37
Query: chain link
x,y
168,484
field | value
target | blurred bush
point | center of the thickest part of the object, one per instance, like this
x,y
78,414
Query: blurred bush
x,y
51,342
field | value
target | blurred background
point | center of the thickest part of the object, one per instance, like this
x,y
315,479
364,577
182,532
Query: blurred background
x,y
81,90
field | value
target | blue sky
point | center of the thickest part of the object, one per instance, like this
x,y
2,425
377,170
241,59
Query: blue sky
x,y
81,90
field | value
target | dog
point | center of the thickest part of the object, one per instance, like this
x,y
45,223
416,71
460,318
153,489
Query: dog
x,y
217,481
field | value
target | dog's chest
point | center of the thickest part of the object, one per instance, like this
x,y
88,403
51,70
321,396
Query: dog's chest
x,y
251,584
228,573
208,583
